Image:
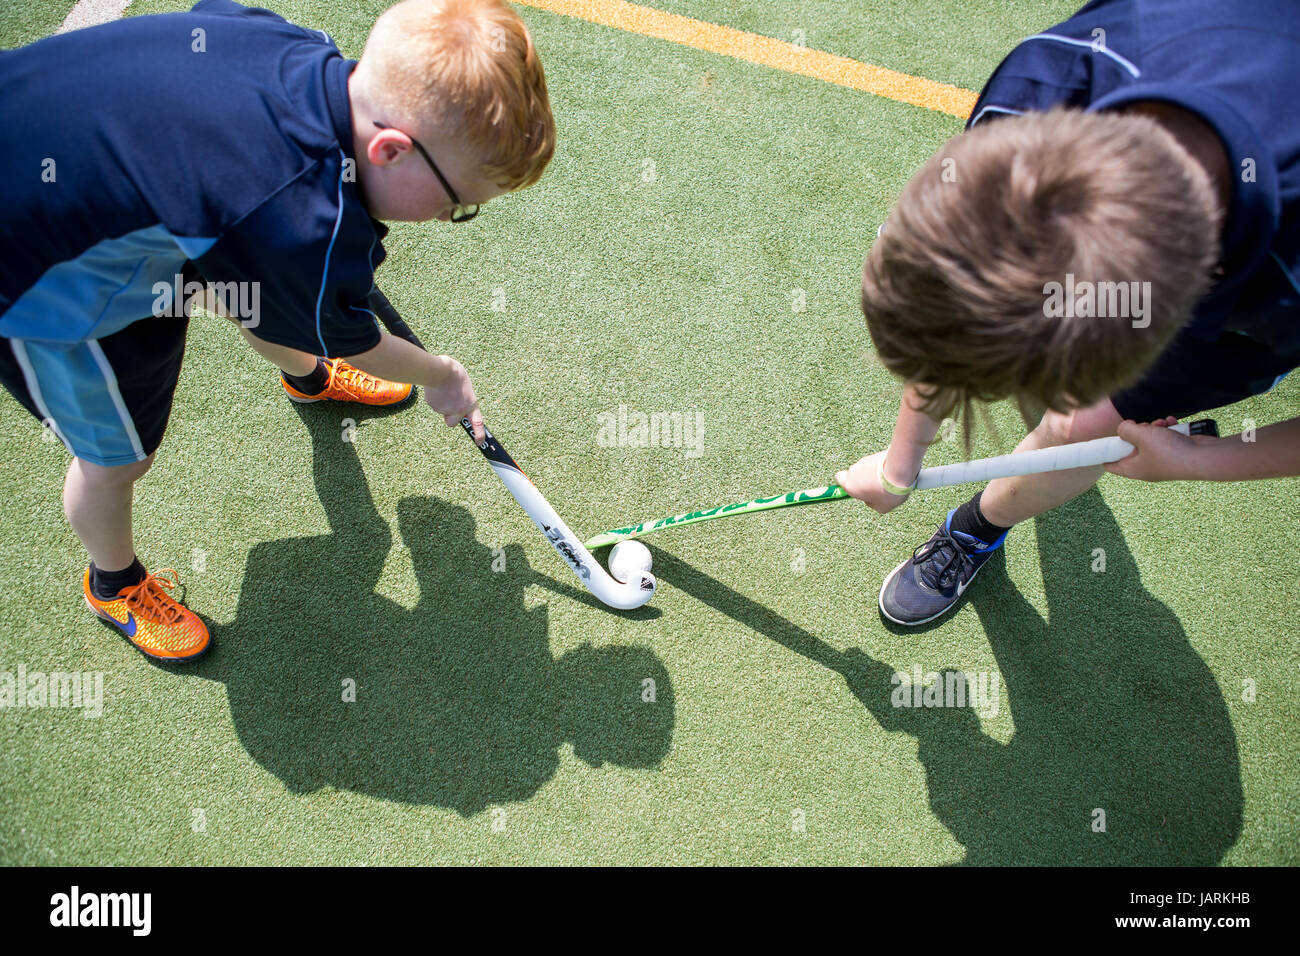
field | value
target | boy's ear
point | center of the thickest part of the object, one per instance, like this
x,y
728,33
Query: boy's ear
x,y
386,146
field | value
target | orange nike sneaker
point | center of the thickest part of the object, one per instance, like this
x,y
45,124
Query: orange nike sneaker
x,y
152,620
347,383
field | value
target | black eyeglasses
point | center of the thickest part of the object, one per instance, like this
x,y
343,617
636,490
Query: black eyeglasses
x,y
459,211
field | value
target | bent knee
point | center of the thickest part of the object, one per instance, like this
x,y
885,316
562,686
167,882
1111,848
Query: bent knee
x,y
115,474
1082,424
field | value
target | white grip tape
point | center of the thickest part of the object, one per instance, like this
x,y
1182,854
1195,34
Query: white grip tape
x,y
1081,454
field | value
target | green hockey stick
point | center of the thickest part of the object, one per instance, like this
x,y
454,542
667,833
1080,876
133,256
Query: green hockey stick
x,y
808,497
1057,458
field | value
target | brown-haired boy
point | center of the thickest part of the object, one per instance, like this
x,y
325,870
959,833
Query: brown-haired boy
x,y
1116,238
228,145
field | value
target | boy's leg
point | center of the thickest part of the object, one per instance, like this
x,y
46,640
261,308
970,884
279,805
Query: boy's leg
x,y
931,581
1190,376
1009,501
108,400
309,378
97,501
291,362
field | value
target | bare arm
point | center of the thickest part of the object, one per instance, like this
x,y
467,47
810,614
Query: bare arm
x,y
1162,455
446,384
913,432
397,360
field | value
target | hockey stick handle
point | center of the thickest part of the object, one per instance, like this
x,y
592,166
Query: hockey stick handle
x,y
1083,454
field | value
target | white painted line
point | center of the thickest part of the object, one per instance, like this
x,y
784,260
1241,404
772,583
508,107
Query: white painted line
x,y
88,13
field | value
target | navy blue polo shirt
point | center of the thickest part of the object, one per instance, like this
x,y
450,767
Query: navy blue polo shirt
x,y
223,136
1234,64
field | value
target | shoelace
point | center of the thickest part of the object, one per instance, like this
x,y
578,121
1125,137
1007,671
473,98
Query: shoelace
x,y
350,375
943,560
150,599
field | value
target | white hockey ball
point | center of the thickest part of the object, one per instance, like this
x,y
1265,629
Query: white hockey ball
x,y
627,558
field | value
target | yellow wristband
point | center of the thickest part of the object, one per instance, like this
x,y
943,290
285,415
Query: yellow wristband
x,y
889,486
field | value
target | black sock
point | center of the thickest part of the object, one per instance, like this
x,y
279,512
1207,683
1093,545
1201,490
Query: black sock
x,y
313,382
970,520
105,584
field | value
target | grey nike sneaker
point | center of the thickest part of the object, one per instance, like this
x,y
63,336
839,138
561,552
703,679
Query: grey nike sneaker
x,y
934,578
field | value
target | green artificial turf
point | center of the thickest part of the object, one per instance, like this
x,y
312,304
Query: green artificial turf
x,y
23,21
693,203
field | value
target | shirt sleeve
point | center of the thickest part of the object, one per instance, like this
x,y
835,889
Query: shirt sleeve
x,y
1072,64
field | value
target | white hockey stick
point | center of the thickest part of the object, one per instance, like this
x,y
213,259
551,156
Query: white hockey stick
x,y
639,589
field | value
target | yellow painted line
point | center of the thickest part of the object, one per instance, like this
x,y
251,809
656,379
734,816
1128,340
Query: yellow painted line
x,y
766,51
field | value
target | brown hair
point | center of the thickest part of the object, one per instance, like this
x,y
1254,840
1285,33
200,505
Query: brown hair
x,y
469,65
956,288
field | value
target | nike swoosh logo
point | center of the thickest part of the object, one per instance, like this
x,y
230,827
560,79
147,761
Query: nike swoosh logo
x,y
961,587
128,626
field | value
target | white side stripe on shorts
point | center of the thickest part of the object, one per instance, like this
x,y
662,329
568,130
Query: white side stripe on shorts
x,y
116,395
34,389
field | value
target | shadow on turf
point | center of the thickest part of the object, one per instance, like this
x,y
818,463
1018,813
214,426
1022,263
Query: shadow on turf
x,y
1112,707
459,702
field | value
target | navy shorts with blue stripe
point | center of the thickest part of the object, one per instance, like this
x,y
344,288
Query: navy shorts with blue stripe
x,y
107,399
